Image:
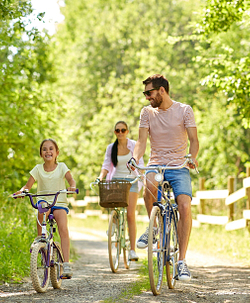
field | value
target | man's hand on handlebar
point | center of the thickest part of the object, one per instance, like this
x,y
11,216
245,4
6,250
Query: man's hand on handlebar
x,y
193,164
130,164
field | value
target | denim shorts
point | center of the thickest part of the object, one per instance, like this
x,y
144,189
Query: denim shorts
x,y
134,188
179,179
59,207
55,207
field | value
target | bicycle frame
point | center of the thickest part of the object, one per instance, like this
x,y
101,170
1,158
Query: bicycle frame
x,y
167,210
122,213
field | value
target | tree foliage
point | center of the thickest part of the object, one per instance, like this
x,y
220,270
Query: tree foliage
x,y
27,105
104,50
225,26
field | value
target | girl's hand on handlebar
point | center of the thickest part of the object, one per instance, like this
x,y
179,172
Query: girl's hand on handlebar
x,y
16,195
72,188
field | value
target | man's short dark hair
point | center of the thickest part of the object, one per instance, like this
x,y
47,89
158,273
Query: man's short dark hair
x,y
157,80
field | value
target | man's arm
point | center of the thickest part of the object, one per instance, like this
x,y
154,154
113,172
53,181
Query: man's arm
x,y
141,144
194,144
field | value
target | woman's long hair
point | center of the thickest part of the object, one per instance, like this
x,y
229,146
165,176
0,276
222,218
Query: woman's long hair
x,y
115,146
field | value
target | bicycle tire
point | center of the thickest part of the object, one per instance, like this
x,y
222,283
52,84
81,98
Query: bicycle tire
x,y
114,241
173,253
39,272
155,251
126,249
56,267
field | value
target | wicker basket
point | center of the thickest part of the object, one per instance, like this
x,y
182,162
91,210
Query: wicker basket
x,y
114,193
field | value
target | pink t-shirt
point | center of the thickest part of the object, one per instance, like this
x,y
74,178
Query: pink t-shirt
x,y
167,132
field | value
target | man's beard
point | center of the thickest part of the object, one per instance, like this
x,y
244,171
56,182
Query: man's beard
x,y
157,101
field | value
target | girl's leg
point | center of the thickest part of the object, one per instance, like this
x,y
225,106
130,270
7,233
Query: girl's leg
x,y
131,218
62,224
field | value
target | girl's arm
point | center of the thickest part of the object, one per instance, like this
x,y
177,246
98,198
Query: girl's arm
x,y
28,185
71,181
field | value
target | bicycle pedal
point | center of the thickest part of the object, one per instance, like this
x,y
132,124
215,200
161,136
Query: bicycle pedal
x,y
65,277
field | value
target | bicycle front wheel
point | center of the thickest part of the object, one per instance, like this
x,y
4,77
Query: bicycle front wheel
x,y
155,250
126,243
172,257
114,241
56,267
39,272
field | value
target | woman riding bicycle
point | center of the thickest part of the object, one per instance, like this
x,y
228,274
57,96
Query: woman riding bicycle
x,y
50,177
114,167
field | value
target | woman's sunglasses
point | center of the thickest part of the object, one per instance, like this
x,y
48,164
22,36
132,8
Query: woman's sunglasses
x,y
123,130
148,92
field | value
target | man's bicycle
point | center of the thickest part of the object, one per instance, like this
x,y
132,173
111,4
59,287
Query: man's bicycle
x,y
114,194
163,244
46,261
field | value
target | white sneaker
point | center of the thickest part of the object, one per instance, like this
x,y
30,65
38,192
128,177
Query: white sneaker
x,y
132,256
113,230
183,271
143,240
67,271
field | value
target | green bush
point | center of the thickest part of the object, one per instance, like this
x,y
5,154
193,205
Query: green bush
x,y
17,230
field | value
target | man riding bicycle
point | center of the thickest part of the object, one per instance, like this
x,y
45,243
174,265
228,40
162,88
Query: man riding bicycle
x,y
170,125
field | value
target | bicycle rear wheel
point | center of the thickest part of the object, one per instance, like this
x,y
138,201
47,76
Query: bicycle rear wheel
x,y
56,268
39,272
172,257
126,242
114,241
155,250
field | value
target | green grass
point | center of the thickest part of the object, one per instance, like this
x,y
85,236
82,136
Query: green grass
x,y
17,229
215,240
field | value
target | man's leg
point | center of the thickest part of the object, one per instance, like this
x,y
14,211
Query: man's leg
x,y
150,192
184,230
184,224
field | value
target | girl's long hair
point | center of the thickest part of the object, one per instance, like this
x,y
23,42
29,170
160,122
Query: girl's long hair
x,y
115,146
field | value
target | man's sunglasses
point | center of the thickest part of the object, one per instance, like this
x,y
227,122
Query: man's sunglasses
x,y
123,130
148,92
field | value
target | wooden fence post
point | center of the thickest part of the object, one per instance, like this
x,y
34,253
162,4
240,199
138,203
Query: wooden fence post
x,y
230,187
248,189
202,187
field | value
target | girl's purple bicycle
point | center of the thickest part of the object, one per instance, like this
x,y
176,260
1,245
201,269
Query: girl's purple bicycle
x,y
46,262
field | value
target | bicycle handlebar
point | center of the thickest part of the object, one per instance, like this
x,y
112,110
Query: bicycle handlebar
x,y
97,180
25,193
132,163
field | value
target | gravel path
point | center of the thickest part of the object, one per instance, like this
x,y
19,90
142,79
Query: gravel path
x,y
214,280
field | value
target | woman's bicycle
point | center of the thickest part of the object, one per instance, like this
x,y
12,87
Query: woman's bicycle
x,y
114,195
46,262
163,244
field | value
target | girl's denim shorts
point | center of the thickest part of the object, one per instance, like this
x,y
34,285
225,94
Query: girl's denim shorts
x,y
179,179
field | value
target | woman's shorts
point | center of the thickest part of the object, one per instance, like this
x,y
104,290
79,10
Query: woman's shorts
x,y
134,188
179,179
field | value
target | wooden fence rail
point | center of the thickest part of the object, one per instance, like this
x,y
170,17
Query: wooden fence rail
x,y
200,200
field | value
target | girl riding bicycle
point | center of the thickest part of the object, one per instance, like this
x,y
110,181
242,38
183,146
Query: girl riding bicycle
x,y
50,177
